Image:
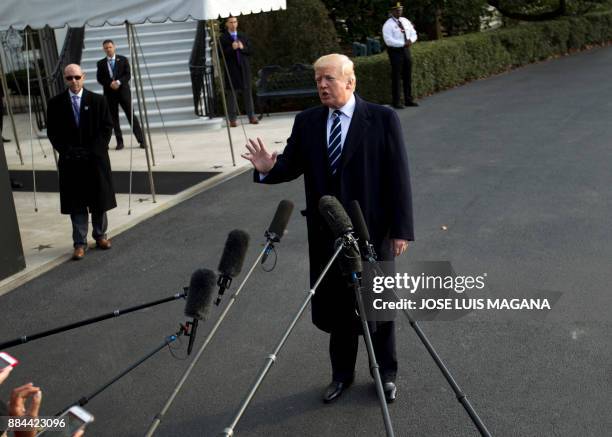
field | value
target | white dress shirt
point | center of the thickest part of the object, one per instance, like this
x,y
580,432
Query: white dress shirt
x,y
110,69
393,35
78,101
346,115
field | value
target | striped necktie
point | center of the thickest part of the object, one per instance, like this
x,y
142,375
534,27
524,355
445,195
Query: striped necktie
x,y
76,110
334,147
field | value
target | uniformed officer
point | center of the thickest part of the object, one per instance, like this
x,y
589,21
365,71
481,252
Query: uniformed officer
x,y
399,35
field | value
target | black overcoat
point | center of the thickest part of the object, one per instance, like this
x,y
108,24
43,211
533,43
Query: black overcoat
x,y
84,166
239,70
373,170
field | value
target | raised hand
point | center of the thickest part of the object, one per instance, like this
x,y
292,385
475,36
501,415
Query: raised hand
x,y
19,405
258,155
4,373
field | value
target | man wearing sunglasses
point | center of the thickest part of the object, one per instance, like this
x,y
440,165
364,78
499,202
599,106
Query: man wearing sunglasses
x,y
79,126
114,75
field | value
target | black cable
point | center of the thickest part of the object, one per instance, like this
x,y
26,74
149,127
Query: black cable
x,y
273,250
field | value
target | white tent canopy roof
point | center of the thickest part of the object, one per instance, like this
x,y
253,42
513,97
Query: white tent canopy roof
x,y
19,14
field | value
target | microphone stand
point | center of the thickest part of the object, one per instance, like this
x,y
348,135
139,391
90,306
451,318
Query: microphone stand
x,y
356,284
159,416
116,313
85,399
229,431
461,397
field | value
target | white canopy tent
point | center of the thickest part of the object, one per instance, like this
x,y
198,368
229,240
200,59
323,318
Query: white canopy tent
x,y
20,14
36,14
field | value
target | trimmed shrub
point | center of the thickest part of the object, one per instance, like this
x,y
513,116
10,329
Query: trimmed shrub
x,y
299,34
449,62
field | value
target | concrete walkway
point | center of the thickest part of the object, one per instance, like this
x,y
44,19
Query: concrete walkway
x,y
46,234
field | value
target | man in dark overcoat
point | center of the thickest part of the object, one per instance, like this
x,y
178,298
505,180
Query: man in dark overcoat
x,y
79,126
354,150
236,50
113,73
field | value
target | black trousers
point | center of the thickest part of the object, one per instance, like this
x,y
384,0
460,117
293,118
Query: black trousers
x,y
247,97
123,99
401,69
343,346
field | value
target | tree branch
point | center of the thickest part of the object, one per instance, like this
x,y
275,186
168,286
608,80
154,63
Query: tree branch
x,y
561,10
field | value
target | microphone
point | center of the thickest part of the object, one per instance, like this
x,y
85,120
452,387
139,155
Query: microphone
x,y
277,228
199,298
341,226
232,259
334,214
361,229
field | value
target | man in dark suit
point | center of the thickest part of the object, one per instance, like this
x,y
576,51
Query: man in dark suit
x,y
353,150
114,75
79,127
236,51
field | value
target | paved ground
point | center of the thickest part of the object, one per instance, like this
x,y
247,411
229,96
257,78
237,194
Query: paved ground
x,y
516,166
45,234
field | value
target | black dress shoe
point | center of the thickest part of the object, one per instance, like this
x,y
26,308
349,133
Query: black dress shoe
x,y
119,146
4,140
142,145
398,106
390,391
412,103
334,390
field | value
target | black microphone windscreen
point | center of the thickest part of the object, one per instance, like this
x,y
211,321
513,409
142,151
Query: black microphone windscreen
x,y
234,253
356,215
199,298
334,214
281,218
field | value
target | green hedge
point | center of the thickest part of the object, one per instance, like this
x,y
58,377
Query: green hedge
x,y
449,62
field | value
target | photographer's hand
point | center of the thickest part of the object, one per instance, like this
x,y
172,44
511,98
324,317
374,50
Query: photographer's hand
x,y
18,408
4,373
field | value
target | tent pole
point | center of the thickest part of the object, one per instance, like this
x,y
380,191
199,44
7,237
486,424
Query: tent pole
x,y
27,39
9,106
215,51
131,115
144,103
140,112
43,96
161,116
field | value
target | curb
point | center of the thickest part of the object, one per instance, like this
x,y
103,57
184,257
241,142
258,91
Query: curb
x,y
9,284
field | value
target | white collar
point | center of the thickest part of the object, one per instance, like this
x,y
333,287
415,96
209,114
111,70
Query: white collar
x,y
348,109
109,59
80,94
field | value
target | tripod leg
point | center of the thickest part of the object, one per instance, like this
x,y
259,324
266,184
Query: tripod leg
x,y
374,369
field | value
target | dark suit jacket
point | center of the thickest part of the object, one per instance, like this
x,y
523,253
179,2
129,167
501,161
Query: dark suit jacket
x,y
373,170
121,73
84,166
239,70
